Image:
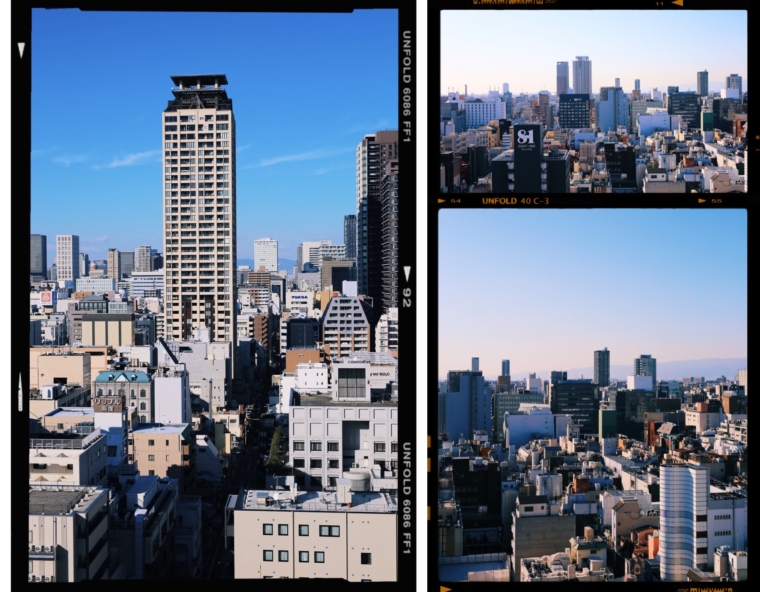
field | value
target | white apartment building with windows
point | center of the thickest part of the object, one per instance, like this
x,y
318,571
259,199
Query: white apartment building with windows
x,y
294,534
143,259
479,112
67,257
265,254
200,251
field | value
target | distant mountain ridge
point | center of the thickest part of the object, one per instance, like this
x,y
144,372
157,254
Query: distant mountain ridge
x,y
710,368
286,264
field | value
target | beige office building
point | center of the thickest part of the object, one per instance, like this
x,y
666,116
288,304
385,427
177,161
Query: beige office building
x,y
164,451
114,330
68,533
67,361
289,534
200,251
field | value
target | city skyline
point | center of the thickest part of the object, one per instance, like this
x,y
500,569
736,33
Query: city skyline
x,y
464,62
77,159
584,284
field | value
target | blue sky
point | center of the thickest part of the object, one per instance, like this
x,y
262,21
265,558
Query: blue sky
x,y
484,49
546,288
305,89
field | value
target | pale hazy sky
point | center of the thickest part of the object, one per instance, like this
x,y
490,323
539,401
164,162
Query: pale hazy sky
x,y
486,48
546,288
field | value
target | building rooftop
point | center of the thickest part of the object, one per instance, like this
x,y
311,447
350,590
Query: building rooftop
x,y
116,376
316,501
62,412
306,399
185,79
369,358
158,428
61,500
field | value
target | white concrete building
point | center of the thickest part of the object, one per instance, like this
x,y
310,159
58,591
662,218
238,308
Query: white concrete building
x,y
301,302
538,422
75,457
148,284
171,396
312,377
265,254
479,112
96,285
639,383
290,534
387,331
57,514
67,257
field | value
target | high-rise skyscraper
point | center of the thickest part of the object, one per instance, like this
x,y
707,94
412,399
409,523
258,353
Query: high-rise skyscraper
x,y
602,367
265,254
617,81
67,257
114,264
574,111
702,88
200,235
582,75
505,367
637,84
372,154
143,259
735,81
127,263
349,235
684,496
646,365
611,109
563,78
38,259
475,364
84,265
389,236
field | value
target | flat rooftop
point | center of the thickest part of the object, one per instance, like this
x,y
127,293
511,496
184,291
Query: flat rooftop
x,y
61,501
369,358
157,428
193,79
326,400
316,501
62,412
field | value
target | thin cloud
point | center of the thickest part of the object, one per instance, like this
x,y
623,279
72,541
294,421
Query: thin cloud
x,y
68,159
131,160
96,240
369,128
300,156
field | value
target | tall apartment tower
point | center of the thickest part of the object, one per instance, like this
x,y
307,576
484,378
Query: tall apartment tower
x,y
637,84
372,154
143,259
200,236
702,89
114,264
505,368
349,235
602,367
563,78
582,75
38,252
735,81
476,364
265,254
389,236
684,496
67,257
646,365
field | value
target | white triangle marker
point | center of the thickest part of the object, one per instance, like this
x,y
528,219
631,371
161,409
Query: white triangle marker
x,y
407,270
21,47
20,394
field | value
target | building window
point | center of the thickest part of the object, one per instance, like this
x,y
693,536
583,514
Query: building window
x,y
316,481
151,457
333,463
315,463
702,518
151,473
283,556
316,446
142,407
303,556
299,463
329,531
319,556
142,392
303,530
268,529
333,447
528,509
132,395
142,419
394,446
298,446
268,555
379,446
282,529
151,442
366,558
